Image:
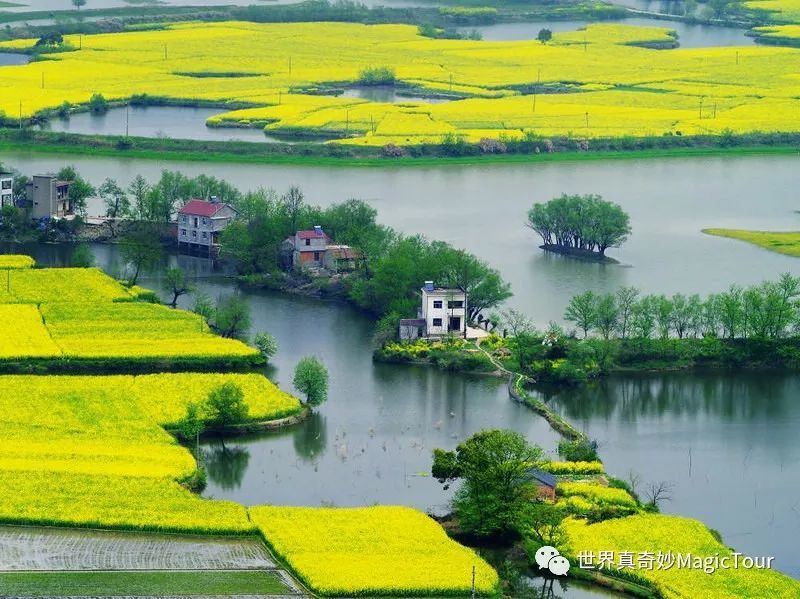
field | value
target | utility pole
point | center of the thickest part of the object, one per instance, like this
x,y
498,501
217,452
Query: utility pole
x,y
20,115
347,122
80,41
737,57
587,119
290,65
701,107
127,119
473,582
165,51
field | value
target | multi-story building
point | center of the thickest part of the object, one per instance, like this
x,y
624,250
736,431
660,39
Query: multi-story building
x,y
443,312
308,248
200,222
6,189
48,197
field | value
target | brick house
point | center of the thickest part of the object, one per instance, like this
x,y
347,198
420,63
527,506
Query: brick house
x,y
545,483
308,248
200,222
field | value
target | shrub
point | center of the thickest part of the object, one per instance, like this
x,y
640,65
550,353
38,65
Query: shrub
x,y
377,76
266,344
98,104
226,405
579,450
311,379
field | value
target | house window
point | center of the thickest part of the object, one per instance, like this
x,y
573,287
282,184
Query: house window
x,y
316,256
308,242
7,184
205,235
194,233
195,221
205,220
183,232
437,303
437,322
455,304
183,219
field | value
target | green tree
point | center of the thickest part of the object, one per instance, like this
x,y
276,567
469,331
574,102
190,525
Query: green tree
x,y
225,406
98,104
141,248
266,344
311,379
493,465
116,203
192,425
582,310
662,310
79,189
138,190
82,256
78,3
178,284
544,35
626,299
231,316
606,317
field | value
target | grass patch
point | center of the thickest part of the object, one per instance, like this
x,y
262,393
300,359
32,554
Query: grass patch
x,y
783,242
87,584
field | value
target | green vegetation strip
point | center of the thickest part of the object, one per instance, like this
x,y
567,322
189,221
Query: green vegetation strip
x,y
216,152
153,584
783,242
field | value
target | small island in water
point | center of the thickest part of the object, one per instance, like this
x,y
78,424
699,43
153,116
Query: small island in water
x,y
580,226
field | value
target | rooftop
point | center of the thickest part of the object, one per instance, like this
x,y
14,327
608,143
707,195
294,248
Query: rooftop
x,y
540,476
312,234
201,208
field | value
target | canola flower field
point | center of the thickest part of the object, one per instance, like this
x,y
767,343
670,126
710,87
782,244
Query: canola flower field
x,y
91,450
45,314
781,10
655,532
612,87
380,550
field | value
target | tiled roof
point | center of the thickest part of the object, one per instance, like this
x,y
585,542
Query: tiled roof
x,y
547,479
201,208
311,234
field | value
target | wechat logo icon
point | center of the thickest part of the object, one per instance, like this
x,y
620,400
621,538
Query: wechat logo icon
x,y
548,558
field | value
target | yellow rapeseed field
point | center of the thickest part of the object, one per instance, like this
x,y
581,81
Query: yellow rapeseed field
x,y
783,242
91,450
24,334
380,550
618,89
16,261
782,10
655,533
83,313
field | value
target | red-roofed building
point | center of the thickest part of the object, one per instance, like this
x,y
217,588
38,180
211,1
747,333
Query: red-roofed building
x,y
200,222
308,247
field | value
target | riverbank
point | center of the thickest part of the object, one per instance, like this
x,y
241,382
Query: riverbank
x,y
332,155
783,242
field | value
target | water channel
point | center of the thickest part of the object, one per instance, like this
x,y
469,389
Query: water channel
x,y
483,208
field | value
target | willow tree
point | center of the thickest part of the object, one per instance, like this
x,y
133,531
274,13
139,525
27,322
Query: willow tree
x,y
585,223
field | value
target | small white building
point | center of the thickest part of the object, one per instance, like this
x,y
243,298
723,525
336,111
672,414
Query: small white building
x,y
443,312
6,189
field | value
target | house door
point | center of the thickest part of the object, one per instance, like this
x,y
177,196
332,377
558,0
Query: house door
x,y
455,323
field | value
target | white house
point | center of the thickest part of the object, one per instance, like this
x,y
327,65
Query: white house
x,y
443,312
200,222
6,189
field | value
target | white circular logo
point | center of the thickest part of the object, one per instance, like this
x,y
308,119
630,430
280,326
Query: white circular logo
x,y
548,558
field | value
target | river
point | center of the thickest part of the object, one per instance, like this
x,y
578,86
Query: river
x,y
483,208
726,442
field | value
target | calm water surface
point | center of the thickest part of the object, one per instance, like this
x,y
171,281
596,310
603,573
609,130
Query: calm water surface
x,y
179,122
726,442
483,208
689,35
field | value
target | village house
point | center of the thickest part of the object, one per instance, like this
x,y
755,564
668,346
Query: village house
x,y
200,222
443,312
48,197
544,482
6,190
308,248
340,258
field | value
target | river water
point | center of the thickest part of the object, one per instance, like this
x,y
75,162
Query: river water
x,y
483,208
726,443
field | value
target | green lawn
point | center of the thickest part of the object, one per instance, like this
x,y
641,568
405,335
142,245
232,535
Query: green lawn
x,y
783,242
77,584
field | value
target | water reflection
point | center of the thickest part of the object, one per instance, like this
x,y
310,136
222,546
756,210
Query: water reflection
x,y
727,441
311,440
225,464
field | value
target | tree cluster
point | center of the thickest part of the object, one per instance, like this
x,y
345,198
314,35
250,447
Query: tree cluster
x,y
769,310
580,222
